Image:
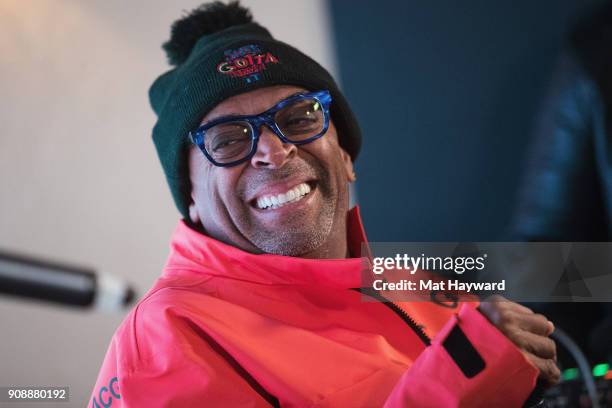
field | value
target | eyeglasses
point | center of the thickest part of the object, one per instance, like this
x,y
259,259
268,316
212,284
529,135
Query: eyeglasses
x,y
232,140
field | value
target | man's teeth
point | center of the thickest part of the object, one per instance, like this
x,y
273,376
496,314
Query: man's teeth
x,y
276,201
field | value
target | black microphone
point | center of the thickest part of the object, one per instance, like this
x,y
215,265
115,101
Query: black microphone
x,y
28,277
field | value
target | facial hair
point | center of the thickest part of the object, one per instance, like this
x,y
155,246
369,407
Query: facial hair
x,y
298,235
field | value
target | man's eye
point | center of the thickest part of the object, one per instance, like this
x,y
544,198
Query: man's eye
x,y
226,143
301,121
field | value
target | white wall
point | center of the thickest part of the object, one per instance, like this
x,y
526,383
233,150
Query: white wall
x,y
79,177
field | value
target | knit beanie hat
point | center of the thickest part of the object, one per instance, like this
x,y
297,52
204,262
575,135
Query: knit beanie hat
x,y
217,52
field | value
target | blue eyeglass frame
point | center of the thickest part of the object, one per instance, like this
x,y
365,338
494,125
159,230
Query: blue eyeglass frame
x,y
265,118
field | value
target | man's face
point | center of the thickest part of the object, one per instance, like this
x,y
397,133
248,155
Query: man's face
x,y
224,199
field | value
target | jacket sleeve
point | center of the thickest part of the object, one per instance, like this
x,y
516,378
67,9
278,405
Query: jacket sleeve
x,y
469,364
106,390
561,197
185,371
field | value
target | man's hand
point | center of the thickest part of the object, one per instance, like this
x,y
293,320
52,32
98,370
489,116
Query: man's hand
x,y
528,331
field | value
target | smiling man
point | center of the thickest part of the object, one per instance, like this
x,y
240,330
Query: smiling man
x,y
261,302
280,188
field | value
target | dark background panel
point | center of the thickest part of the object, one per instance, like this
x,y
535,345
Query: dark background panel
x,y
446,94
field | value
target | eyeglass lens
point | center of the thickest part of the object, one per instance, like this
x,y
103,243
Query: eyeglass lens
x,y
231,141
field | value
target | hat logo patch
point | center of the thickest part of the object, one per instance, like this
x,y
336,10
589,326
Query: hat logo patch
x,y
246,62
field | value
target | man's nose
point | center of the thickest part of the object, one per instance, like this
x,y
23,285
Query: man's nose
x,y
271,151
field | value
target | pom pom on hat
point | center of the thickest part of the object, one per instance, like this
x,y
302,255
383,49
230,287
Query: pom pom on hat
x,y
206,19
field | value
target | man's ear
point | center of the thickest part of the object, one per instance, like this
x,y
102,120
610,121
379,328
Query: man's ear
x,y
348,166
193,212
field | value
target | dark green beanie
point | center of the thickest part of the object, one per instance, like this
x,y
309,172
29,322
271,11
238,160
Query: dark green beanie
x,y
232,61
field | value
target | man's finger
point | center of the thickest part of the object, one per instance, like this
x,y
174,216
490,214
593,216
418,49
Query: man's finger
x,y
540,346
548,368
510,305
535,323
513,322
496,306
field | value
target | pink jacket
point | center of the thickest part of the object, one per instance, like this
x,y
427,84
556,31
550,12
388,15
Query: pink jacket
x,y
226,328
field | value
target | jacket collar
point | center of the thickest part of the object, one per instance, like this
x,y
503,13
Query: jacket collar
x,y
193,253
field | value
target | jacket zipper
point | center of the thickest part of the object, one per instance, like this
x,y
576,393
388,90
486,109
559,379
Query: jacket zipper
x,y
399,311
